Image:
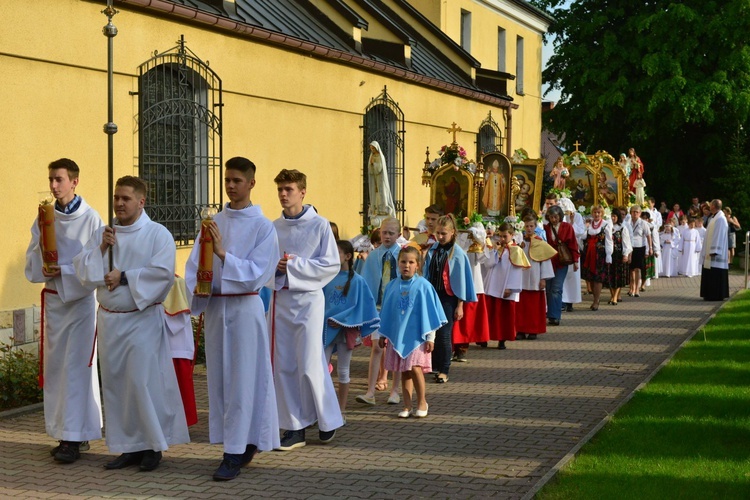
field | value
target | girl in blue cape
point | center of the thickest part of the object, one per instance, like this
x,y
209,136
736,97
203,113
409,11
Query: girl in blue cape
x,y
350,312
448,269
410,315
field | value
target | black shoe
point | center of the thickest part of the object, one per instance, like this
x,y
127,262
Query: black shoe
x,y
150,460
482,344
292,439
501,345
326,437
569,308
68,452
460,358
229,468
125,460
553,322
531,336
249,454
83,446
520,336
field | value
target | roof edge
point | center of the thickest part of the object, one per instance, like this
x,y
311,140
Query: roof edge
x,y
275,38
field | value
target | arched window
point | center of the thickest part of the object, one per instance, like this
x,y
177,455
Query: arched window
x,y
179,139
384,123
489,138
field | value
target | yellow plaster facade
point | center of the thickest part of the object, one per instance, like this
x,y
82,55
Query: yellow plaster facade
x,y
282,109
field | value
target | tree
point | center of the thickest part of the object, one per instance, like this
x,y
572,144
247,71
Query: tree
x,y
671,79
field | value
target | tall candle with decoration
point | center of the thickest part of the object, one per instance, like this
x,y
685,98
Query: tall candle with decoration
x,y
206,256
47,239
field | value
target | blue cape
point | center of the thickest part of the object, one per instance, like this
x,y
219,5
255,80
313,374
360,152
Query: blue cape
x,y
459,272
372,270
411,309
356,309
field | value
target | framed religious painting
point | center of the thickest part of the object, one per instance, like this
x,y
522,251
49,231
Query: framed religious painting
x,y
453,189
581,180
611,183
530,175
494,197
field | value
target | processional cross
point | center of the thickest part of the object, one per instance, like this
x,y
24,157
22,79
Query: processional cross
x,y
454,128
576,144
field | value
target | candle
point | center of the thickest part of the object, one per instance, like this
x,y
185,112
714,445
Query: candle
x,y
47,239
206,255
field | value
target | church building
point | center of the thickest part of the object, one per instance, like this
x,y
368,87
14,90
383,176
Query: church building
x,y
297,84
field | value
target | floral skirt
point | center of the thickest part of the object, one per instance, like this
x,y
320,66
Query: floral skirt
x,y
619,272
650,267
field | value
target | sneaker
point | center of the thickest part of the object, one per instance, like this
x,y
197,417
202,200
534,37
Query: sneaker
x,y
292,439
326,437
362,398
68,452
229,468
460,357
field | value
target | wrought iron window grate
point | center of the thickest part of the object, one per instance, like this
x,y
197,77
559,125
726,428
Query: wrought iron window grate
x,y
180,139
384,123
489,138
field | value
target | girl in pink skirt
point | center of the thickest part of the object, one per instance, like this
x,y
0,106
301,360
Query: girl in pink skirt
x,y
410,314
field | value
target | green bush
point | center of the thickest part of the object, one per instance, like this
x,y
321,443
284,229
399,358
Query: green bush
x,y
19,372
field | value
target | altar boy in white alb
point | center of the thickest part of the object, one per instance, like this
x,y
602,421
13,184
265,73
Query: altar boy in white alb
x,y
241,395
141,397
304,389
72,407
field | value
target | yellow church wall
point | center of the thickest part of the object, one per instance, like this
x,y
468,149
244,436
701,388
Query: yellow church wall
x,y
307,116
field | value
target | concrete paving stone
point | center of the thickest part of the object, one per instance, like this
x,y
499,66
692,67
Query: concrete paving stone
x,y
505,419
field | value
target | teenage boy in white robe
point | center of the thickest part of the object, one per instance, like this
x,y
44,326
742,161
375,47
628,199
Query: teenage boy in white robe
x,y
242,411
310,259
141,397
72,406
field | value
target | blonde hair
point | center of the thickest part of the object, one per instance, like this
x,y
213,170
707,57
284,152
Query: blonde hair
x,y
391,220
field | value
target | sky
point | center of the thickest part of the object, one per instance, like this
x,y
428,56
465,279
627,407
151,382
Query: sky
x,y
547,51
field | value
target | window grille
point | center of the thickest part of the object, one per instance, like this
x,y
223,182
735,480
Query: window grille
x,y
384,122
489,138
180,139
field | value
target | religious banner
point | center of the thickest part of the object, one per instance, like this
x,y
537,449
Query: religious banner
x,y
530,173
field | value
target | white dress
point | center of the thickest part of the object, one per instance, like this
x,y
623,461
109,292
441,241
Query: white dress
x,y
669,254
690,248
304,389
571,292
241,394
141,397
72,404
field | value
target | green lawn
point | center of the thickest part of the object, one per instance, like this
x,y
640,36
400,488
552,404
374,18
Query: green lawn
x,y
686,434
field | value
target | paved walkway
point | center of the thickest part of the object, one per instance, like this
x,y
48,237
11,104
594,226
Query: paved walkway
x,y
504,420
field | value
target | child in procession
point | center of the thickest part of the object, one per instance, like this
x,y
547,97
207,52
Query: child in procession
x,y
410,315
531,310
350,313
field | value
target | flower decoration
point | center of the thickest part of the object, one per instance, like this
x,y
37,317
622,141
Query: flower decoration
x,y
574,159
467,222
516,222
519,155
453,155
561,193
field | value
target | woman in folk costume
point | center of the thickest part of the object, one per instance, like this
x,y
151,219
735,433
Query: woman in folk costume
x,y
448,269
571,291
690,249
622,247
597,250
503,285
182,343
669,251
473,327
410,315
531,310
350,313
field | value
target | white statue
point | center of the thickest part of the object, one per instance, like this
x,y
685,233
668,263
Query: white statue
x,y
381,201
